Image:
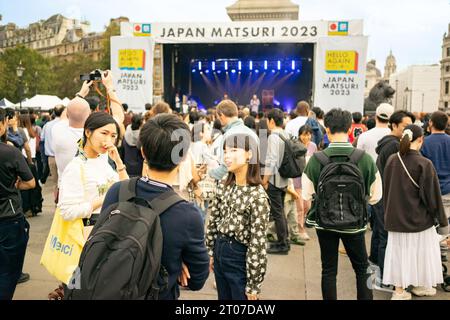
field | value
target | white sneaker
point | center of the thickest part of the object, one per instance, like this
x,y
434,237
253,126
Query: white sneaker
x,y
423,292
405,295
304,236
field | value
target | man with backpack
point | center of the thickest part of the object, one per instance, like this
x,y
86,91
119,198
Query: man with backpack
x,y
341,180
147,237
274,183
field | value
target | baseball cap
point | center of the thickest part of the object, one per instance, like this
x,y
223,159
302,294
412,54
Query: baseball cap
x,y
385,111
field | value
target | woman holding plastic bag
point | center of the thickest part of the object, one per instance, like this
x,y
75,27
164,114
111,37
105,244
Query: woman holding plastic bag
x,y
84,184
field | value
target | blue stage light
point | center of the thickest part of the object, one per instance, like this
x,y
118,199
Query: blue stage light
x,y
218,71
206,71
233,71
193,70
298,70
256,71
199,65
293,65
279,65
226,65
239,65
250,66
273,71
213,66
265,64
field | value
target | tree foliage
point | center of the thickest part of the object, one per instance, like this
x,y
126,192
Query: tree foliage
x,y
38,76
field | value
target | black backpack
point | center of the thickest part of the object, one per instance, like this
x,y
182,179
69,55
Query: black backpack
x,y
340,197
293,162
122,258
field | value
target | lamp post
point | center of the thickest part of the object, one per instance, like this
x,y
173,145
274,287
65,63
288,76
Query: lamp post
x,y
19,70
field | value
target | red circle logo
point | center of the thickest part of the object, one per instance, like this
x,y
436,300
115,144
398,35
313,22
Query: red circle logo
x,y
333,26
137,28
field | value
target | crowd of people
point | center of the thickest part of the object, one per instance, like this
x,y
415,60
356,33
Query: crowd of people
x,y
389,172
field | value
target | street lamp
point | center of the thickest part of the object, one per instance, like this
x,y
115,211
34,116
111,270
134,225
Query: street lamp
x,y
20,69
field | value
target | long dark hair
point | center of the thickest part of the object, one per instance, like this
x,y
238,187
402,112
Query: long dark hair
x,y
246,142
410,134
97,120
25,122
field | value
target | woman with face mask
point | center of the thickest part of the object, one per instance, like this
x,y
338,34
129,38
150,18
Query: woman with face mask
x,y
413,206
237,225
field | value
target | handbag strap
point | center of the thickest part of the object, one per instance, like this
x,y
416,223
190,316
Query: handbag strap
x,y
406,170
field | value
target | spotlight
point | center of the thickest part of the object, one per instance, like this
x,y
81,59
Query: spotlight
x,y
279,64
207,71
213,66
199,65
233,71
285,71
193,70
201,72
273,71
293,65
256,71
298,70
239,65
265,64
226,65
250,66
218,71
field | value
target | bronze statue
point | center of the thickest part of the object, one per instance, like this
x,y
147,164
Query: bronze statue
x,y
380,93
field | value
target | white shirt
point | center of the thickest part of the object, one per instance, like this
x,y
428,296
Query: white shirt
x,y
294,125
368,140
31,143
46,135
64,144
75,195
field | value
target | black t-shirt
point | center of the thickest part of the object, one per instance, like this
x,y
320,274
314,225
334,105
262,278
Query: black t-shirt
x,y
12,166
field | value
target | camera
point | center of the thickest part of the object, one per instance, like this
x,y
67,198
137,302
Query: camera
x,y
95,75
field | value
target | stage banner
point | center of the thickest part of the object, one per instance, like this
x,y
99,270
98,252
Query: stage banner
x,y
132,68
242,31
340,73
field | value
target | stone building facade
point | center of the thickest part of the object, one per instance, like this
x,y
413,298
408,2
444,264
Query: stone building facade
x,y
444,100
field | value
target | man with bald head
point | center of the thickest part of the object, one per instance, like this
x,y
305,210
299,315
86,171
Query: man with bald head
x,y
65,134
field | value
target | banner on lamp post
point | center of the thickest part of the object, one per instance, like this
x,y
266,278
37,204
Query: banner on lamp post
x,y
340,73
132,68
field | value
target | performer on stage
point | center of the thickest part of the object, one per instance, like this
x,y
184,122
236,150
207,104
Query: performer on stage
x,y
254,104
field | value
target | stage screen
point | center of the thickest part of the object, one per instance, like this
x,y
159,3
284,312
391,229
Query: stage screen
x,y
279,74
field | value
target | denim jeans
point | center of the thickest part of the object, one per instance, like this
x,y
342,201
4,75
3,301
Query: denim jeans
x,y
13,244
381,235
276,197
230,268
355,247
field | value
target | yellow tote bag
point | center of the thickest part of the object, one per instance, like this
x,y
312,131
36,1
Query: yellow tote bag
x,y
63,247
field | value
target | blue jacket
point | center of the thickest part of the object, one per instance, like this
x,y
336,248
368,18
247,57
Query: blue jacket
x,y
183,237
437,148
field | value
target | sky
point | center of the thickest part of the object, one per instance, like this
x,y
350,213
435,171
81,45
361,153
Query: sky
x,y
412,29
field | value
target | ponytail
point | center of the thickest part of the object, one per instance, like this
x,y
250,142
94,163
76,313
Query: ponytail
x,y
405,144
410,134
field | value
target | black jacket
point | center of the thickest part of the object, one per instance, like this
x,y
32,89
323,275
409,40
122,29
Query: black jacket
x,y
386,147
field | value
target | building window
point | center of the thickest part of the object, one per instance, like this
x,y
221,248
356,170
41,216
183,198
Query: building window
x,y
448,52
447,69
446,86
367,82
446,105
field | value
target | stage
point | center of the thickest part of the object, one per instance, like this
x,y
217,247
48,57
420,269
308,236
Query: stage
x,y
280,74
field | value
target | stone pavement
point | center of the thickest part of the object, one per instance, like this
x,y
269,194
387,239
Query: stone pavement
x,y
292,277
